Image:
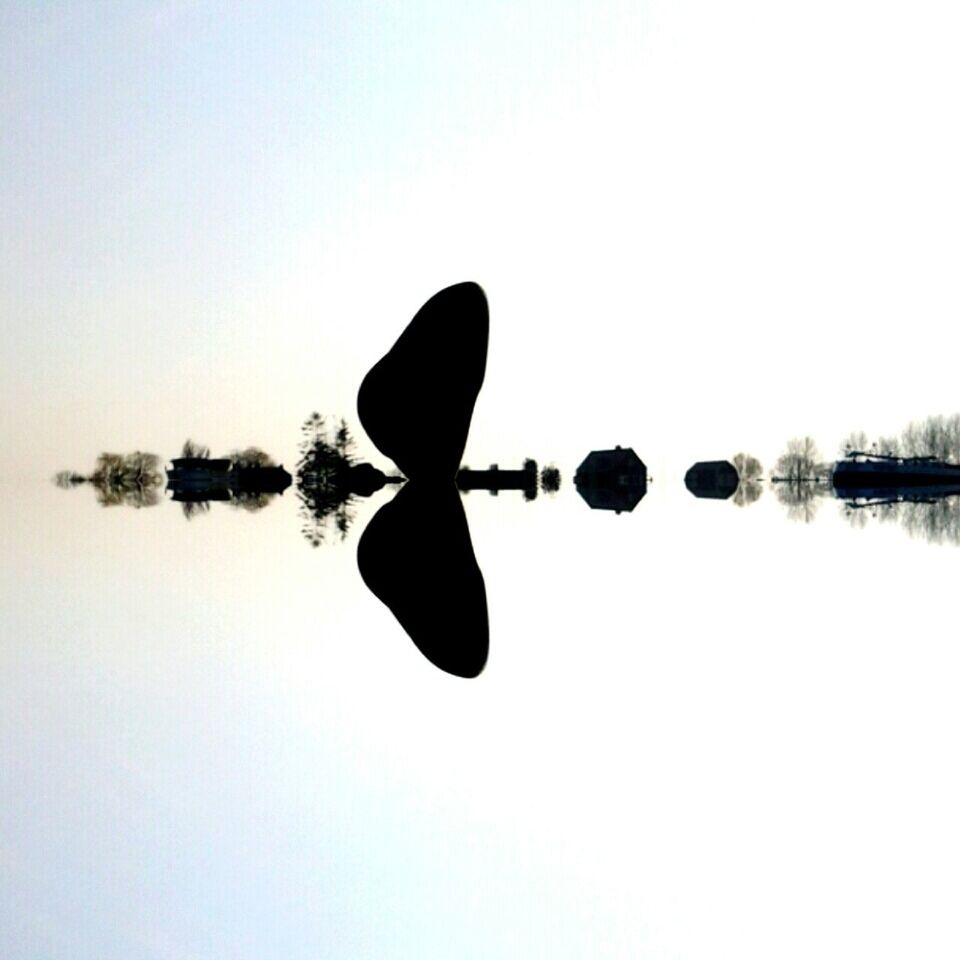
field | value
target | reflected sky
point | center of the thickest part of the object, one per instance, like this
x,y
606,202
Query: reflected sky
x,y
249,751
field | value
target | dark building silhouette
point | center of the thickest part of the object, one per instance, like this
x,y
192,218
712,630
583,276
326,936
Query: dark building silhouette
x,y
496,479
612,479
712,479
194,479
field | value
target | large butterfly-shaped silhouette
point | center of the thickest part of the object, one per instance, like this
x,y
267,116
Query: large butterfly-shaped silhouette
x,y
416,404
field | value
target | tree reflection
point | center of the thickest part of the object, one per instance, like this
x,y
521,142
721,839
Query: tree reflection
x,y
749,486
251,458
131,479
322,471
936,520
329,479
194,508
801,479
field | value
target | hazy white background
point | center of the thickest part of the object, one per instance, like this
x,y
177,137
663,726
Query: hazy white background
x,y
701,227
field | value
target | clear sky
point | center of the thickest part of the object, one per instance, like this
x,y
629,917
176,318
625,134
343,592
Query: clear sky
x,y
701,227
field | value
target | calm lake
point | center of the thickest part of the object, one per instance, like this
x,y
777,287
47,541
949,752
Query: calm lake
x,y
699,727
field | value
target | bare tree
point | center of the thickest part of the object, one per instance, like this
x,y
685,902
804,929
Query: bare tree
x,y
889,446
855,442
132,479
801,462
936,436
749,474
801,479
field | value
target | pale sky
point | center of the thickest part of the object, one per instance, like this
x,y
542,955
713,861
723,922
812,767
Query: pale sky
x,y
701,228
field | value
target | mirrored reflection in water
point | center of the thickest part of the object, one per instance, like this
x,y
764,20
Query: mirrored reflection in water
x,y
330,478
749,479
912,479
247,479
416,553
417,557
132,480
935,520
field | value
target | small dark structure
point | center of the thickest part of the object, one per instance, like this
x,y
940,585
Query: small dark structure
x,y
496,479
712,479
612,479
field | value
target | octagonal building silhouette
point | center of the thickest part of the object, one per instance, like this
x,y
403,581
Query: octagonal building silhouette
x,y
612,479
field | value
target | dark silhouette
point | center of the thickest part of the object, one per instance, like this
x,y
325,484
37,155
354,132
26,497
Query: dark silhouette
x,y
913,478
329,479
712,479
550,480
417,402
922,493
248,479
612,479
870,476
417,557
496,479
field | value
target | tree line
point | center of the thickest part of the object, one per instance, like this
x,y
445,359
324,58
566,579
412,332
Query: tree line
x,y
936,436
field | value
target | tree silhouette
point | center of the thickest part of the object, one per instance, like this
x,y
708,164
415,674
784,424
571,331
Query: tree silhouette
x,y
250,457
246,459
889,446
194,450
550,479
800,462
132,479
936,436
854,442
324,479
801,479
749,487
